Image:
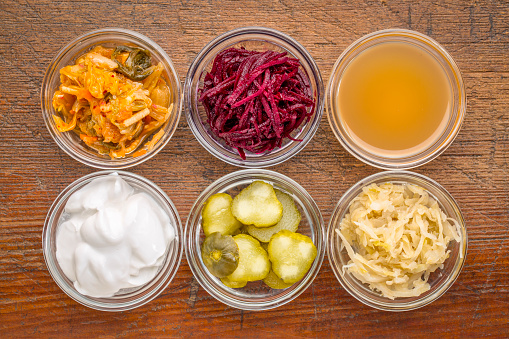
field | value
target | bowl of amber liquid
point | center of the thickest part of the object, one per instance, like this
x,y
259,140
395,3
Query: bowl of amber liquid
x,y
395,99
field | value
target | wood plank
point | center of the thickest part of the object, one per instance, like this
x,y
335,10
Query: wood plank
x,y
33,170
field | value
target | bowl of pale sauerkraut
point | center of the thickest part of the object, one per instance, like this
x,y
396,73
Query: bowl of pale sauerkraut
x,y
397,241
111,98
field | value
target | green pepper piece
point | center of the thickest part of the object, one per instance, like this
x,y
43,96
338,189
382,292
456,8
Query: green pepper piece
x,y
137,64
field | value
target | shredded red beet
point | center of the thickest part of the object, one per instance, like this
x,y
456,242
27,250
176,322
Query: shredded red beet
x,y
255,99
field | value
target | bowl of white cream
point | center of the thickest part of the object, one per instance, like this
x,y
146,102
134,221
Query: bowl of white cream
x,y
112,240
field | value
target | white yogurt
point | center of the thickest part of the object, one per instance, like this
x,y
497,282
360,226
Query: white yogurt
x,y
115,237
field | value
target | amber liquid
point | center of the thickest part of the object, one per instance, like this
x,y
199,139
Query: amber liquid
x,y
394,99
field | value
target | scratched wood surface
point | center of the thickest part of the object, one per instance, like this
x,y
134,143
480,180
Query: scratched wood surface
x,y
33,170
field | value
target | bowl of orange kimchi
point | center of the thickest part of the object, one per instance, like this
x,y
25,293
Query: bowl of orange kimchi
x,y
111,98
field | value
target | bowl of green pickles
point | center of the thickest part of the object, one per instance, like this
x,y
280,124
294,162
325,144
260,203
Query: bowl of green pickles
x,y
254,239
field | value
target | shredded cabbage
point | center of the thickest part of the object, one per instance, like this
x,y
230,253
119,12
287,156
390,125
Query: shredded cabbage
x,y
396,236
112,112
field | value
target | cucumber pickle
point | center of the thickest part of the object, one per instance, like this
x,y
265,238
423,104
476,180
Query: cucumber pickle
x,y
254,261
291,255
220,254
217,215
257,205
264,245
290,220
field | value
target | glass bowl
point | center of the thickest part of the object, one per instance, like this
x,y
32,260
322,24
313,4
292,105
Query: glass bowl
x,y
70,142
125,299
452,126
439,281
255,295
259,39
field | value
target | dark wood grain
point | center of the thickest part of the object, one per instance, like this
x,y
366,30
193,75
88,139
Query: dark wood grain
x,y
33,170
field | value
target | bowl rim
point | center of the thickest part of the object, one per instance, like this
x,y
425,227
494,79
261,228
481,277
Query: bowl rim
x,y
52,71
439,146
192,226
258,162
51,262
338,212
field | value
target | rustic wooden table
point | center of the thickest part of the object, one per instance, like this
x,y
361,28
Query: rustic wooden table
x,y
33,170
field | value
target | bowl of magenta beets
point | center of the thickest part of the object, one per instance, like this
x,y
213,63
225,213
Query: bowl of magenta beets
x,y
253,97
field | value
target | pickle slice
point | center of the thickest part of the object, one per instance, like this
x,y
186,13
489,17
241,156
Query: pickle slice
x,y
220,254
233,284
291,255
217,215
290,220
241,230
254,262
257,204
273,281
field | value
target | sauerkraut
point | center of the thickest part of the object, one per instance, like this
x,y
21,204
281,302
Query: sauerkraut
x,y
396,236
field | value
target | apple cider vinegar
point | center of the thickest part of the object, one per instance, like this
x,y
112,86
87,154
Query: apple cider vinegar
x,y
394,99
